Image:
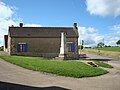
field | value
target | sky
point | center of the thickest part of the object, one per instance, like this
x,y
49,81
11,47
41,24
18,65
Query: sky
x,y
98,20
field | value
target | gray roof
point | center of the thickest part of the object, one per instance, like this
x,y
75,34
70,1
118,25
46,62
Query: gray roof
x,y
42,31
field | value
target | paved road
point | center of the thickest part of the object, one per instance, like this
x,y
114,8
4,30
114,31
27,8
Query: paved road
x,y
102,58
13,77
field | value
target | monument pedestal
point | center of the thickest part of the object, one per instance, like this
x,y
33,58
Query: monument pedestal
x,y
62,56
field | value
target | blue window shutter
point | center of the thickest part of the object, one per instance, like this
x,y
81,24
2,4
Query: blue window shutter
x,y
18,47
25,47
73,47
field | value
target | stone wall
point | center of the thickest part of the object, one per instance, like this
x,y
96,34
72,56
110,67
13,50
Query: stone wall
x,y
46,47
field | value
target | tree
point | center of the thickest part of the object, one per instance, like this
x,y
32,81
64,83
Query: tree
x,y
118,42
100,45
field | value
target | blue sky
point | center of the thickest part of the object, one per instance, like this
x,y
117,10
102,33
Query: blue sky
x,y
97,19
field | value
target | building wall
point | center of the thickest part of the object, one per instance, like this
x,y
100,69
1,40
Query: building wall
x,y
46,47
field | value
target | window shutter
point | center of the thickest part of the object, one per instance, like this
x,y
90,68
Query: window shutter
x,y
73,47
18,47
25,47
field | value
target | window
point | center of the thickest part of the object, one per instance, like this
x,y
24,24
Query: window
x,y
70,47
22,47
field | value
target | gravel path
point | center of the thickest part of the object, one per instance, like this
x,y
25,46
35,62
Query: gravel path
x,y
13,77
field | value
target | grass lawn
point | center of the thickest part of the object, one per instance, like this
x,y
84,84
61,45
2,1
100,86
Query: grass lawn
x,y
101,64
64,68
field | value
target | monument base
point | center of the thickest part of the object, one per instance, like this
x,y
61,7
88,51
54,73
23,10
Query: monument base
x,y
61,57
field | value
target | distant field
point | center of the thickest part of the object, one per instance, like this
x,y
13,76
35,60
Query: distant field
x,y
117,49
112,52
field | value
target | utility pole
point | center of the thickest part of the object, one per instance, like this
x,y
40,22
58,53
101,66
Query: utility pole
x,y
103,42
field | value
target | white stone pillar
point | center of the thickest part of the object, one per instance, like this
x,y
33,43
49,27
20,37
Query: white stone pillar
x,y
63,51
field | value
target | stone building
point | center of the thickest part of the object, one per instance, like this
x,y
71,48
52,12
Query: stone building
x,y
41,41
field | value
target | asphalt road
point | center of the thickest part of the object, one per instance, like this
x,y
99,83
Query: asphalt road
x,y
13,77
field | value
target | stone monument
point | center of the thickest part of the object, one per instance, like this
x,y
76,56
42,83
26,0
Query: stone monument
x,y
63,50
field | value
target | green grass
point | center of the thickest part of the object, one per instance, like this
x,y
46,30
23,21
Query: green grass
x,y
116,49
101,64
64,68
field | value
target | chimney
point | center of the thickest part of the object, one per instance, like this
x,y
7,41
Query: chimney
x,y
21,24
12,25
75,26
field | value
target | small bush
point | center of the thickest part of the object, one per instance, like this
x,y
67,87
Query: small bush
x,y
1,49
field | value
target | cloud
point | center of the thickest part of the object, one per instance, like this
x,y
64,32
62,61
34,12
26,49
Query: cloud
x,y
7,19
114,36
116,28
32,25
92,37
89,35
6,12
111,39
103,8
